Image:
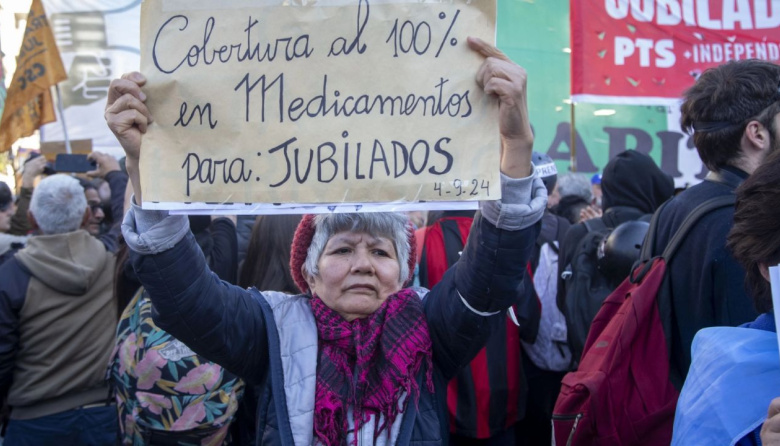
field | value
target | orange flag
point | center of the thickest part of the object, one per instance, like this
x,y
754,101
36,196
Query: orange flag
x,y
28,104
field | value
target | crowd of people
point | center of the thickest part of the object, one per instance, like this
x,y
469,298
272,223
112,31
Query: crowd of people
x,y
133,326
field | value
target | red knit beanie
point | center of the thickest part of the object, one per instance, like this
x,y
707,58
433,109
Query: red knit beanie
x,y
302,240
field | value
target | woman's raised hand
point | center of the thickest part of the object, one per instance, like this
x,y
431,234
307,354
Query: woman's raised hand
x,y
503,78
126,113
128,117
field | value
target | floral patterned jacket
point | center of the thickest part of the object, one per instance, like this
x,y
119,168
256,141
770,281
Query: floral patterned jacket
x,y
164,390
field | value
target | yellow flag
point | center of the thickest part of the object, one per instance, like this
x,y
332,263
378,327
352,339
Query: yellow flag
x,y
28,104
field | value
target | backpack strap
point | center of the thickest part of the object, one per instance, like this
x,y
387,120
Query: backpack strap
x,y
652,232
677,239
562,229
550,229
692,218
595,224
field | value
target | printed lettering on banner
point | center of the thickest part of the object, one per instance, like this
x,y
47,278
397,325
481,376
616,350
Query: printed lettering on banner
x,y
649,51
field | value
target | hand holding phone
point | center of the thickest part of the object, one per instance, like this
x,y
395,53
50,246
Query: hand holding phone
x,y
32,162
104,163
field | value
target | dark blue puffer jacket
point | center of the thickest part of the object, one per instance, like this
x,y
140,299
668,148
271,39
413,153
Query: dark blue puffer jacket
x,y
238,328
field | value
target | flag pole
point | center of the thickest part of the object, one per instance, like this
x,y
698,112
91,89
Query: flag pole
x,y
62,117
573,143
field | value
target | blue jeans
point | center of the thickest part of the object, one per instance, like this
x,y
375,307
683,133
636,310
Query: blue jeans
x,y
96,426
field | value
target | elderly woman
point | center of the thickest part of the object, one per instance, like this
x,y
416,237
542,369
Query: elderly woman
x,y
357,359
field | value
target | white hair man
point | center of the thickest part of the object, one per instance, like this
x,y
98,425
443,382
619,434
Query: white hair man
x,y
57,322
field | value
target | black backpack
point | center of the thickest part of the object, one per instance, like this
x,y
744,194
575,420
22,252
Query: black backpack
x,y
586,287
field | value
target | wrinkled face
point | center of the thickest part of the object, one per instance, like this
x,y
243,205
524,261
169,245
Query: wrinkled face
x,y
5,217
96,212
357,273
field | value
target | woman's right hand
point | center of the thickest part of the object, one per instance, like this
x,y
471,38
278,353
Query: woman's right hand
x,y
128,117
126,113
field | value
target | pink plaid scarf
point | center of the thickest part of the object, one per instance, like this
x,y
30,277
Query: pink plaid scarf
x,y
367,364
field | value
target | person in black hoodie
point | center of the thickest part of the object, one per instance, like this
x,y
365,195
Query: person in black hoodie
x,y
633,187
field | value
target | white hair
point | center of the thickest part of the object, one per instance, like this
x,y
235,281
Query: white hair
x,y
58,204
575,184
389,225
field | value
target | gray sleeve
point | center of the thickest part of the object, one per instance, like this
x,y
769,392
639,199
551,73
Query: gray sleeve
x,y
151,232
522,204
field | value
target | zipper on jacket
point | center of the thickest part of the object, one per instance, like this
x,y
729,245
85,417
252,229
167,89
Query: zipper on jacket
x,y
576,419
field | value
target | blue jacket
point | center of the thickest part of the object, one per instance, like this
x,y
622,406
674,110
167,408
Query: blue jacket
x,y
237,329
707,283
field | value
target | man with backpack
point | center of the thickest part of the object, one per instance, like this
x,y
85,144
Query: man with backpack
x,y
633,187
627,385
732,111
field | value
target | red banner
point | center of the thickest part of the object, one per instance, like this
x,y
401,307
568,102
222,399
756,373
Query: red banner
x,y
649,51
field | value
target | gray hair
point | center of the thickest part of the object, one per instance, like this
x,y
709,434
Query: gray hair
x,y
389,225
575,184
58,204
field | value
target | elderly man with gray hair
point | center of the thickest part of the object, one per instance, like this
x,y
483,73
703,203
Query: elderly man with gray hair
x,y
57,322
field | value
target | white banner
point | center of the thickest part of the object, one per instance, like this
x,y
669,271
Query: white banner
x,y
98,41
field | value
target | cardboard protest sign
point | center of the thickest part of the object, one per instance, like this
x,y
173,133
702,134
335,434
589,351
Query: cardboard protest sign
x,y
649,52
361,102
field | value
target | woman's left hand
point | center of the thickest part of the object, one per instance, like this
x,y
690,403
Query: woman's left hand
x,y
499,76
